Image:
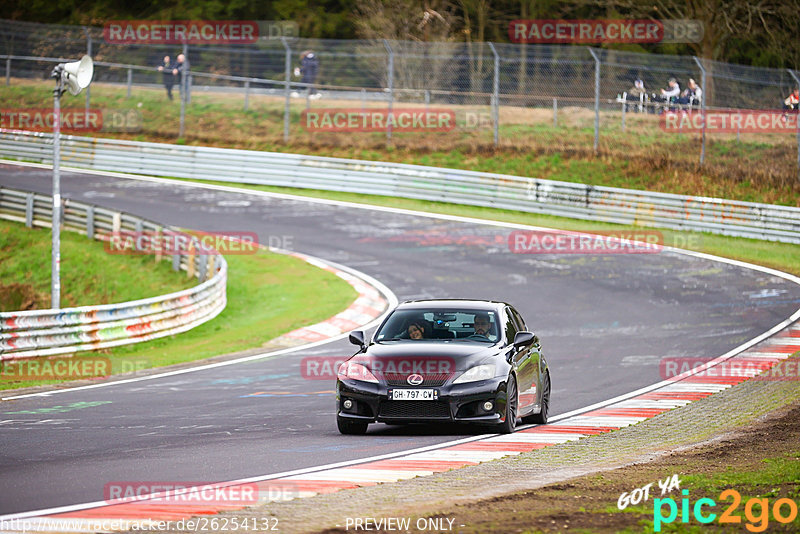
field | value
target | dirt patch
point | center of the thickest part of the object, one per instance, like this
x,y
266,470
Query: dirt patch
x,y
19,297
589,503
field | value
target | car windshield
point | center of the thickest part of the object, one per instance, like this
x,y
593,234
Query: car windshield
x,y
462,325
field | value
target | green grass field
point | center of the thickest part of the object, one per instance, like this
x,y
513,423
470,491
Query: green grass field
x,y
268,295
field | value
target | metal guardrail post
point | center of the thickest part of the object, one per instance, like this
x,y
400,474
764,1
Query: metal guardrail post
x,y
596,98
286,87
246,94
496,94
796,79
130,82
176,262
90,222
8,71
703,109
29,210
390,84
184,78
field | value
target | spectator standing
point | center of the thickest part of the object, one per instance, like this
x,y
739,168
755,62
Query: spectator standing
x,y
166,69
179,69
309,68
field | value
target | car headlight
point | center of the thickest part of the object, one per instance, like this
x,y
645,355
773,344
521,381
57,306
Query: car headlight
x,y
474,374
355,371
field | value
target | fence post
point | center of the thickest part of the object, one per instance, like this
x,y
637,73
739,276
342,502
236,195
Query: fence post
x,y
702,109
130,81
496,94
89,87
596,98
184,79
623,116
286,83
246,93
8,71
555,112
796,79
390,84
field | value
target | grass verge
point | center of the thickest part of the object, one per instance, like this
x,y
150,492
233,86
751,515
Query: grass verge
x,y
268,295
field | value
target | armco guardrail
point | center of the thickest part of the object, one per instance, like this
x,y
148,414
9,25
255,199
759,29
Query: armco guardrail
x,y
575,200
26,334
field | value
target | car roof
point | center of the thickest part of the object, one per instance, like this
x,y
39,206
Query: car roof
x,y
452,303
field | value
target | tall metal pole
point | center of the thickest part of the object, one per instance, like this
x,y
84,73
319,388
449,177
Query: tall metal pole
x,y
184,84
596,98
496,95
88,89
702,108
55,272
390,83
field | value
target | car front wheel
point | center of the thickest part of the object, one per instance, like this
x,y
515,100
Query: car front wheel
x,y
346,426
512,402
541,417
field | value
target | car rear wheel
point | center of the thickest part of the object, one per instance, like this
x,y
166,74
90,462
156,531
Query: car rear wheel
x,y
346,426
541,417
512,403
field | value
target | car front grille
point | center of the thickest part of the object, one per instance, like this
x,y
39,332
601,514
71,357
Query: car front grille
x,y
429,380
414,410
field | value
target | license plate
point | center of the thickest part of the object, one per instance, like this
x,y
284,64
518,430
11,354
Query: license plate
x,y
414,394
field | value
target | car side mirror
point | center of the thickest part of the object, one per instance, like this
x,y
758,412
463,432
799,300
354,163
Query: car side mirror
x,y
357,338
524,339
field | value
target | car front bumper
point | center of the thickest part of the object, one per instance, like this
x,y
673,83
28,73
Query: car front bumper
x,y
462,403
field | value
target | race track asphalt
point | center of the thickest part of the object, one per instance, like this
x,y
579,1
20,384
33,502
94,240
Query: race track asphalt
x,y
606,321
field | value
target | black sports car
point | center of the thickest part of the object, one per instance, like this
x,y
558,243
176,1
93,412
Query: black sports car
x,y
467,361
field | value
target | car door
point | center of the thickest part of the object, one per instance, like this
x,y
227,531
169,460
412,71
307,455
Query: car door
x,y
526,371
535,357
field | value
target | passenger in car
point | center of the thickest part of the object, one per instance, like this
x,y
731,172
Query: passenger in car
x,y
417,330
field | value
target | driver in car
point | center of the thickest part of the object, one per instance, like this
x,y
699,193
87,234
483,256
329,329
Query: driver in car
x,y
482,325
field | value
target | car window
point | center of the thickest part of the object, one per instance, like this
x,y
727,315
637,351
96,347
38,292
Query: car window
x,y
511,327
445,325
518,318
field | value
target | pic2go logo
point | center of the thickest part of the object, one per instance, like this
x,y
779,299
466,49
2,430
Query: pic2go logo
x,y
756,511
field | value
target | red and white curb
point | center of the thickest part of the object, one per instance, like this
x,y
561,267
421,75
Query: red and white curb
x,y
659,398
369,304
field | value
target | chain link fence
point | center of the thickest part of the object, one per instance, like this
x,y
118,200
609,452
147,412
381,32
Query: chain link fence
x,y
549,96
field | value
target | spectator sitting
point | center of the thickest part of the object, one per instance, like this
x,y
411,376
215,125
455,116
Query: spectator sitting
x,y
637,93
792,101
692,95
668,95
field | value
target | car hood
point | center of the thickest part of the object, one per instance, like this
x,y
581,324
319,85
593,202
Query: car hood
x,y
422,357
